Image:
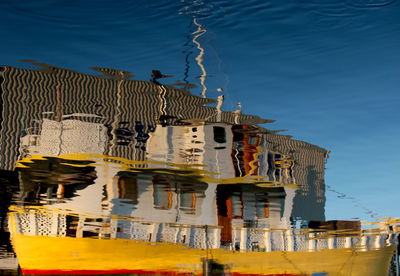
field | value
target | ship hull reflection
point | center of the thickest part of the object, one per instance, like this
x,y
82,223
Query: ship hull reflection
x,y
45,255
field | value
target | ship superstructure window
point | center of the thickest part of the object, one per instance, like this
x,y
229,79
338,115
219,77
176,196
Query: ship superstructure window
x,y
219,135
34,140
237,205
128,189
262,205
187,202
280,167
162,194
190,195
252,140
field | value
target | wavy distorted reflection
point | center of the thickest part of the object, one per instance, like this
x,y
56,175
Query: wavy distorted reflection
x,y
120,176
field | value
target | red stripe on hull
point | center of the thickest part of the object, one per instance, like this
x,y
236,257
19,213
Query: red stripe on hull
x,y
98,272
125,271
244,274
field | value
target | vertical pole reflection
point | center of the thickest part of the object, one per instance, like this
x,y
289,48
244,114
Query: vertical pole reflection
x,y
199,32
116,119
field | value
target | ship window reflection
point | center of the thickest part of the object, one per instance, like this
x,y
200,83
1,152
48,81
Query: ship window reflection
x,y
262,205
252,140
162,195
237,205
219,135
127,187
188,202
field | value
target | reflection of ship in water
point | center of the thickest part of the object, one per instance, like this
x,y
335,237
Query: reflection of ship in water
x,y
140,121
121,160
162,221
171,227
128,109
165,206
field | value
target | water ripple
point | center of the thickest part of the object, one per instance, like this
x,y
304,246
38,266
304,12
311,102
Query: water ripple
x,y
85,14
347,8
370,4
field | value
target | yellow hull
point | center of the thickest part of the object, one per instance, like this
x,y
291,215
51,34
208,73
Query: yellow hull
x,y
57,255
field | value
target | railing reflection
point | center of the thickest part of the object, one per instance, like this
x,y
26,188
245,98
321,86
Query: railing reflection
x,y
256,237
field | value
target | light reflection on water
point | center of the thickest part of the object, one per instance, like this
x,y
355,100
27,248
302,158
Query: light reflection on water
x,y
114,175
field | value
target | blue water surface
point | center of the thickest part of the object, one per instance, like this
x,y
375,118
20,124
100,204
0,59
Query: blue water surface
x,y
327,71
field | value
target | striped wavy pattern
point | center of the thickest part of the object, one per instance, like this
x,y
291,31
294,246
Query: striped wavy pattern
x,y
308,172
30,95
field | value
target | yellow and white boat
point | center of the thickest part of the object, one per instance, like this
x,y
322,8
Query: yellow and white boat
x,y
48,254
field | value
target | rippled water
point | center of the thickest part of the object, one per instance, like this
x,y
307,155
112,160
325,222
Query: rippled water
x,y
148,137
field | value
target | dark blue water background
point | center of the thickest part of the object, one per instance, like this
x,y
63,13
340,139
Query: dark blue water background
x,y
328,71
